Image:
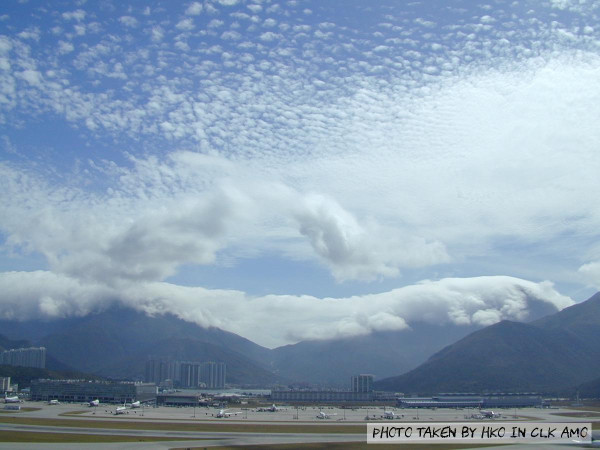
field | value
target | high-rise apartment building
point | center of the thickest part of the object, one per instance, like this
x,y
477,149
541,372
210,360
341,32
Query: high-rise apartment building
x,y
4,384
25,357
185,374
212,374
362,383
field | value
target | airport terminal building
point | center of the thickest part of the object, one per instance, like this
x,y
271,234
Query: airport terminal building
x,y
86,391
320,396
498,400
361,390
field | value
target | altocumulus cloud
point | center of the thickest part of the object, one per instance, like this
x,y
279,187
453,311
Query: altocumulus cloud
x,y
432,140
161,215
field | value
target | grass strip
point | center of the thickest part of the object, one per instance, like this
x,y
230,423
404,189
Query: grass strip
x,y
24,409
44,437
195,426
582,414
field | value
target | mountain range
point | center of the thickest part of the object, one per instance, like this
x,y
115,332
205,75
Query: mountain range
x,y
117,342
550,354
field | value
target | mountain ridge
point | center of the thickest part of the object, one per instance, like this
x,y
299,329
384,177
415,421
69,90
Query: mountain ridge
x,y
117,342
549,354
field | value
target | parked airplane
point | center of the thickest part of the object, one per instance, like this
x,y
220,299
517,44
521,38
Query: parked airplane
x,y
323,415
272,408
389,415
223,413
489,414
53,402
14,399
136,404
95,402
120,410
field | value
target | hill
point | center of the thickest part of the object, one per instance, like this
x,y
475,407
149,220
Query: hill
x,y
590,389
332,362
7,344
23,375
549,354
116,343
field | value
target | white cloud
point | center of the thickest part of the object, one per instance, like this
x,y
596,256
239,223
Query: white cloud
x,y
30,33
65,47
227,207
194,9
269,36
48,295
215,23
128,21
77,15
482,301
254,8
591,273
185,25
33,77
361,252
463,148
157,33
270,22
233,35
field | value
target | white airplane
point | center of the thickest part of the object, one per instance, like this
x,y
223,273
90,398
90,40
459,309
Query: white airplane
x,y
323,415
389,414
94,402
120,410
53,402
223,413
136,404
272,408
489,414
14,399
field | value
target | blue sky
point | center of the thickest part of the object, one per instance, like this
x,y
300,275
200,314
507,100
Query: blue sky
x,y
325,165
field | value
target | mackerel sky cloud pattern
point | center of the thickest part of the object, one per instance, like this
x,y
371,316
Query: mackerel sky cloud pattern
x,y
298,156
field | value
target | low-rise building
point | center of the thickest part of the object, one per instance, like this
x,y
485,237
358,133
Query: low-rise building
x,y
320,396
85,391
181,399
496,400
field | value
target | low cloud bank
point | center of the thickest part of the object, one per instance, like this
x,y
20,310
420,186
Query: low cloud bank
x,y
274,320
